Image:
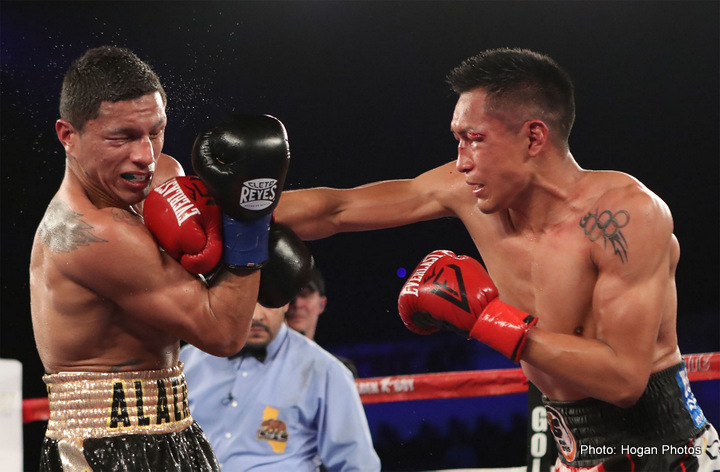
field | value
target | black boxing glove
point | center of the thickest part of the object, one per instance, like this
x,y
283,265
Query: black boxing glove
x,y
243,161
288,269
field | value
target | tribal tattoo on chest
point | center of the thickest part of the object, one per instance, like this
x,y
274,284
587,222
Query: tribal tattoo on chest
x,y
63,230
607,225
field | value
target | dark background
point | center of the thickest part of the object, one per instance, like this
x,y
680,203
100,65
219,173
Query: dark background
x,y
360,88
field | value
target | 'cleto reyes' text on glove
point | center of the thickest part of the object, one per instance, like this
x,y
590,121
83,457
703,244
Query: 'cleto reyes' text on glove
x,y
243,160
456,292
185,221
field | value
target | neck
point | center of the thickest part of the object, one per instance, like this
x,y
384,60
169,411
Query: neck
x,y
77,179
548,197
310,333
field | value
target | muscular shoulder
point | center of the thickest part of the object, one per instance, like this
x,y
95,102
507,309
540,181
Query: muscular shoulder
x,y
66,227
625,216
627,194
88,244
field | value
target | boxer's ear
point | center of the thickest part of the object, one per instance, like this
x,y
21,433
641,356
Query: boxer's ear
x,y
538,136
66,134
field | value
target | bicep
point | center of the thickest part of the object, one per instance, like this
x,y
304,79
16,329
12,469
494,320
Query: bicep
x,y
630,295
130,271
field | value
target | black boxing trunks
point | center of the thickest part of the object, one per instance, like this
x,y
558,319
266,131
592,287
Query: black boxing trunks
x,y
123,421
664,431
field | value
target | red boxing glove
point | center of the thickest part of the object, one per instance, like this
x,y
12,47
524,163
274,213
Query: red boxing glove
x,y
438,294
186,222
457,293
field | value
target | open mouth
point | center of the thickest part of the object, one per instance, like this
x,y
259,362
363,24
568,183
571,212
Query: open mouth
x,y
133,177
477,189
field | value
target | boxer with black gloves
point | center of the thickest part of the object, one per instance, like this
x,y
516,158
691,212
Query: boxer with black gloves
x,y
109,308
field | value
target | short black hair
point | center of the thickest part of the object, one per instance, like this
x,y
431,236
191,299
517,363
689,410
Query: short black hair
x,y
514,77
104,74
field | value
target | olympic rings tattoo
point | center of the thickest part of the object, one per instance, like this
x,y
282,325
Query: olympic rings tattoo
x,y
607,226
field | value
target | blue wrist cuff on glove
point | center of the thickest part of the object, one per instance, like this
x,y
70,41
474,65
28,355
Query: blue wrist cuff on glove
x,y
245,243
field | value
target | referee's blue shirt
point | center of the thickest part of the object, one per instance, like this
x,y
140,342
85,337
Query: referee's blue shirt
x,y
297,409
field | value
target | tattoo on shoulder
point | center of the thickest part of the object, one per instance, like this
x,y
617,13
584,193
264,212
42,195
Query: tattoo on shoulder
x,y
63,230
607,225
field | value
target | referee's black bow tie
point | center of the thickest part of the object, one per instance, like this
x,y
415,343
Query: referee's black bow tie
x,y
259,353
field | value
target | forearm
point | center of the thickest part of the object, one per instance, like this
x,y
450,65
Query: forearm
x,y
589,367
320,212
310,213
224,321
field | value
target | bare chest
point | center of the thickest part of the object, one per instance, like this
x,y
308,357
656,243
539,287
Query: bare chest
x,y
550,275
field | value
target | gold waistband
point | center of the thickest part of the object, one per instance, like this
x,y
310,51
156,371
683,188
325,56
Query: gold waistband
x,y
100,404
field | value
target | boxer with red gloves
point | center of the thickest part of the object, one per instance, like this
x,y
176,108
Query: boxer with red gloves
x,y
591,253
109,308
456,292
